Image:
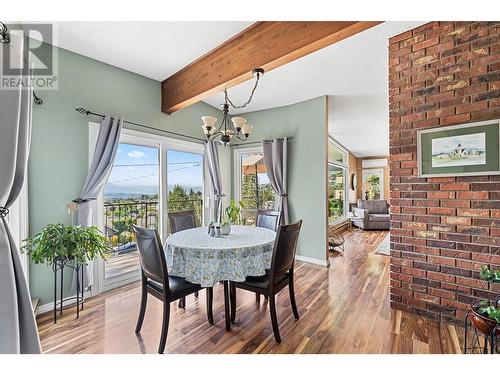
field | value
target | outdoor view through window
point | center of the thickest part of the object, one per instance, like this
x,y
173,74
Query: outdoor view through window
x,y
131,196
256,191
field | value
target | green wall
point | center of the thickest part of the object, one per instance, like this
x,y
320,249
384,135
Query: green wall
x,y
306,122
59,149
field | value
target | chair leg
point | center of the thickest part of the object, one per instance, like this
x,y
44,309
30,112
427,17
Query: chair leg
x,y
164,327
274,318
195,294
257,297
142,309
210,299
232,297
292,299
227,312
182,303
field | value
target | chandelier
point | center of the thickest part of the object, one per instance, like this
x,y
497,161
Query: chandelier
x,y
239,128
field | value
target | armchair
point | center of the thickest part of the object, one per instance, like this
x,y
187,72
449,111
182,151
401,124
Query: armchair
x,y
375,214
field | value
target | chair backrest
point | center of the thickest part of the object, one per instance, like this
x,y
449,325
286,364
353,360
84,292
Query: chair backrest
x,y
151,255
374,206
268,219
181,221
285,247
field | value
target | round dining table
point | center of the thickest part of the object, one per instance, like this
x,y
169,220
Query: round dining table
x,y
203,259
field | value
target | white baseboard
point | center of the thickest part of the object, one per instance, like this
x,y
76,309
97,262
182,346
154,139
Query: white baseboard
x,y
311,260
50,306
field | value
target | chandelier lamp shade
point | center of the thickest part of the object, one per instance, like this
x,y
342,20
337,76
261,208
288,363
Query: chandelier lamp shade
x,y
238,127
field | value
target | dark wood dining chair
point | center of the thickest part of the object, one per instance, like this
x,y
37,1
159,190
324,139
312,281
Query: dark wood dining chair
x,y
269,220
181,221
279,276
157,282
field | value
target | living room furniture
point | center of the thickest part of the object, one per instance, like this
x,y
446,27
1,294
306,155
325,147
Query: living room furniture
x,y
278,277
373,214
350,219
157,282
207,260
58,266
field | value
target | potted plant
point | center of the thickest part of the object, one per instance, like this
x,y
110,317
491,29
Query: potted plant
x,y
485,316
58,241
231,217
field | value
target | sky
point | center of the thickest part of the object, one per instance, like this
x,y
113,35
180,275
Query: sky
x,y
136,170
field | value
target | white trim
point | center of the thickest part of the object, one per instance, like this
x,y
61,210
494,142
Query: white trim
x,y
50,306
237,153
311,260
163,144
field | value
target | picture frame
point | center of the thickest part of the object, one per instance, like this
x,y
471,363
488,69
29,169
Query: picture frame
x,y
470,149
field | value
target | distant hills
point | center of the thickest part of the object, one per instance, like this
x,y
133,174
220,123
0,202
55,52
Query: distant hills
x,y
136,191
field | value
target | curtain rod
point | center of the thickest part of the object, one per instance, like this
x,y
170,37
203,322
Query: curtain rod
x,y
83,111
258,142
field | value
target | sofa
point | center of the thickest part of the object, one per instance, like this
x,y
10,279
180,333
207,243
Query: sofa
x,y
371,214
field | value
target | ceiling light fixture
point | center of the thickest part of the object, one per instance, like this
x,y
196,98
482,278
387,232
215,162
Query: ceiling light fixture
x,y
239,128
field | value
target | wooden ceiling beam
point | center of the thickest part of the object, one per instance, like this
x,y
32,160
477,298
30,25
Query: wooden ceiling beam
x,y
266,45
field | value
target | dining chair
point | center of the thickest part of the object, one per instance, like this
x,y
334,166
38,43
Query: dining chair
x,y
269,220
279,276
181,221
157,282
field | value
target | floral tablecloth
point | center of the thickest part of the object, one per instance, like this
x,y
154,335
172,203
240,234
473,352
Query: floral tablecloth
x,y
206,260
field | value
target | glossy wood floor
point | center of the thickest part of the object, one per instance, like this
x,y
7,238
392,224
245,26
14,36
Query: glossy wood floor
x,y
343,309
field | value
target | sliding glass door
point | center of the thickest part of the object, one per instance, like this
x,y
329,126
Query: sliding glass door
x,y
151,177
131,196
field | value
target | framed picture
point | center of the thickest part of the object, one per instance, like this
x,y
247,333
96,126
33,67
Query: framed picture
x,y
460,150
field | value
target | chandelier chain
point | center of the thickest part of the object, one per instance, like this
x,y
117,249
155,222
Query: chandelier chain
x,y
249,99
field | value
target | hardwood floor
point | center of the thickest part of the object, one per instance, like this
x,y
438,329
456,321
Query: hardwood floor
x,y
343,309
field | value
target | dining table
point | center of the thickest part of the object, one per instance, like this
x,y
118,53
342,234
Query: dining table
x,y
206,260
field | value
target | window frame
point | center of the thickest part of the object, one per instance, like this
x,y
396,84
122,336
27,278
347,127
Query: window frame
x,y
345,166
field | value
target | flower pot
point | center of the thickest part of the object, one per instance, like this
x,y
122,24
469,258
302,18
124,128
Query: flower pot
x,y
225,230
484,324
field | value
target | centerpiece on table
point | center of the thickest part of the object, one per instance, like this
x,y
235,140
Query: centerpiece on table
x,y
232,216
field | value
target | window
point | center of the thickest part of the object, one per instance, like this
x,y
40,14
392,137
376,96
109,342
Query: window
x,y
152,176
373,180
252,186
337,182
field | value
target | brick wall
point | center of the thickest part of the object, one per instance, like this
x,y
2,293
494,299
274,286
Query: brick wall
x,y
442,229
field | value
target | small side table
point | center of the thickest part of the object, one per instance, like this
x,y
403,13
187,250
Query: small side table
x,y
58,265
350,219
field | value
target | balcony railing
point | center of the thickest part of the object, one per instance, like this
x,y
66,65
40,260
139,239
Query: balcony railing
x,y
120,216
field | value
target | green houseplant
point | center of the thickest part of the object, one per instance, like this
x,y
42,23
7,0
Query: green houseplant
x,y
486,316
56,241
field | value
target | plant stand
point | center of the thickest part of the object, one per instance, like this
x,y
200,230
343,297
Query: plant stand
x,y
481,326
58,265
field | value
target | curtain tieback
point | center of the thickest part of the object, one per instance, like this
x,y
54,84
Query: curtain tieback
x,y
220,195
80,200
4,211
284,195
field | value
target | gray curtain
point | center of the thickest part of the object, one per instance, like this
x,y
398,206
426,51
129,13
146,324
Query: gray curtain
x,y
212,155
275,158
99,171
18,331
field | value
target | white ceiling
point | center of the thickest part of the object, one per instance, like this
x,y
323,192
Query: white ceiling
x,y
354,71
152,49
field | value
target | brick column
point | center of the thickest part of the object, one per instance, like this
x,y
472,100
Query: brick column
x,y
443,229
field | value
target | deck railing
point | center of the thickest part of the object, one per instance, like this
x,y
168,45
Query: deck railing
x,y
119,217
